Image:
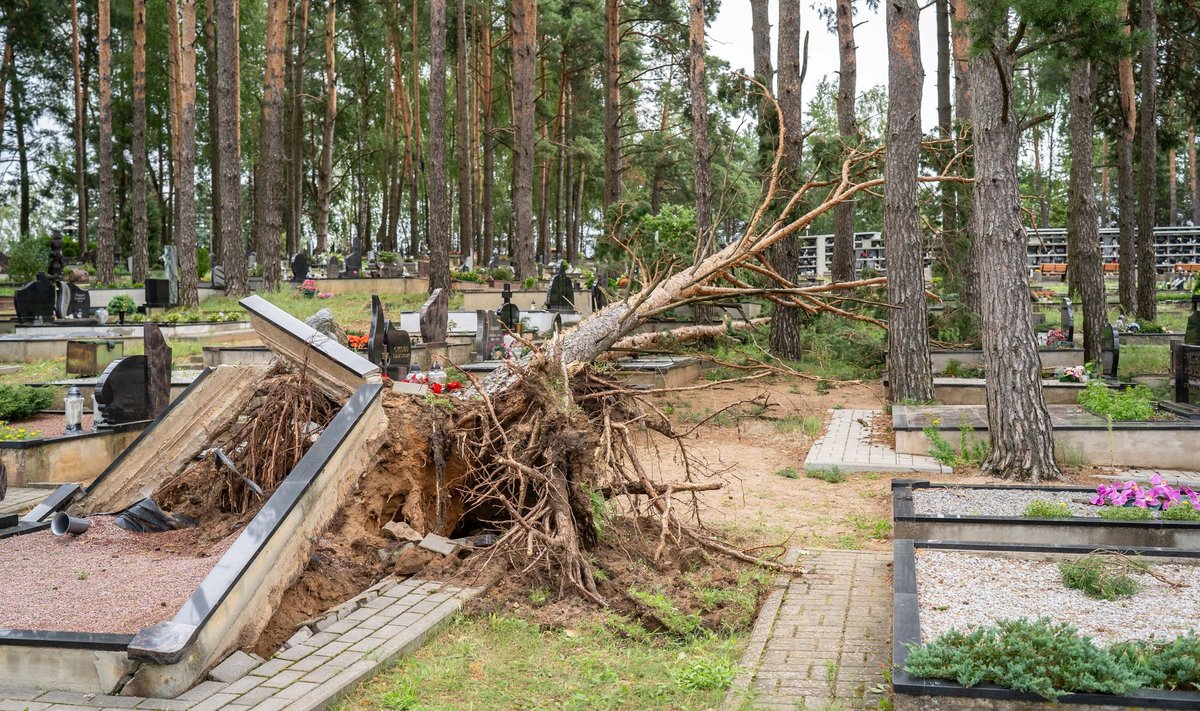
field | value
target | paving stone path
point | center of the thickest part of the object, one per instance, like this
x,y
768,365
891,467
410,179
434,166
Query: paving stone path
x,y
21,499
847,445
317,666
822,639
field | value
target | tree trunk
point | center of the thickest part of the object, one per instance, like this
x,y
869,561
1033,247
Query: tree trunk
x,y
962,271
785,254
18,102
1172,189
1022,446
1147,281
435,188
1082,221
1104,221
1192,173
141,227
612,111
705,238
524,34
215,104
1127,246
106,233
909,370
81,195
268,184
185,234
842,268
760,27
945,107
233,249
295,187
325,173
489,140
466,162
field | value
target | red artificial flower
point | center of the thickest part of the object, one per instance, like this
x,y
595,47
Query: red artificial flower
x,y
453,385
436,388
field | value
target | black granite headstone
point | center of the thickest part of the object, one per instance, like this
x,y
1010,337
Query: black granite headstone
x,y
435,314
561,294
37,298
1191,333
509,313
121,391
1185,365
300,268
399,352
158,292
1110,351
354,260
73,300
56,254
375,344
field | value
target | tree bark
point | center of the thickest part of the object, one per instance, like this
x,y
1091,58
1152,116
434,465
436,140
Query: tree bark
x,y
909,369
842,268
466,162
705,238
19,118
106,232
1147,281
215,104
268,184
1082,220
1127,126
489,140
1022,445
325,173
612,110
295,187
233,257
81,195
141,227
524,35
785,254
760,26
1192,173
439,205
185,233
962,270
945,107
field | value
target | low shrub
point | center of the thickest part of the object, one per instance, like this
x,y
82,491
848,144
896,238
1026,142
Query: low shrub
x,y
1135,403
833,476
503,274
1164,665
1182,511
1102,576
1125,513
1046,509
20,402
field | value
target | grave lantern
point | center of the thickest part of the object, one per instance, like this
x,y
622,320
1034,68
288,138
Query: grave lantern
x,y
73,405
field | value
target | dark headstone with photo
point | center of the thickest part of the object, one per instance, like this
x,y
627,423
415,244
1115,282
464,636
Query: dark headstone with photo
x,y
509,313
1110,351
36,299
158,370
560,296
300,268
435,315
122,394
489,336
388,347
73,301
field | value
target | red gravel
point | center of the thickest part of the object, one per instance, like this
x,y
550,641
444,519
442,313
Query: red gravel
x,y
106,580
50,424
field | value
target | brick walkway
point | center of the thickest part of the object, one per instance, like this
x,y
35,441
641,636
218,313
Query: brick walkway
x,y
823,639
18,500
318,665
847,445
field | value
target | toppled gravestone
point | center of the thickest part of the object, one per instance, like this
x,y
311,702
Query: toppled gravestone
x,y
324,322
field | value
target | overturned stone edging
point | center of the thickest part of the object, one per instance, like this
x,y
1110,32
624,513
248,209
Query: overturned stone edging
x,y
921,694
1079,530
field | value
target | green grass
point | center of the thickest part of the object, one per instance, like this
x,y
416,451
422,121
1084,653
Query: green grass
x,y
799,424
833,475
1045,509
498,662
1125,513
352,311
1144,360
788,473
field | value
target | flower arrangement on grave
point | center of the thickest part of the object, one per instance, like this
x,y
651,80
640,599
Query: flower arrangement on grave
x,y
1074,374
1159,496
324,295
1057,339
308,288
438,388
356,341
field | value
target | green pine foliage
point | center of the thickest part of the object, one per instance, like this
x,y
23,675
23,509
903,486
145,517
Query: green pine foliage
x,y
1102,576
1164,665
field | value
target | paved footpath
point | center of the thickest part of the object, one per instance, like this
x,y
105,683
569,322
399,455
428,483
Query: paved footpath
x,y
847,445
317,666
18,500
822,639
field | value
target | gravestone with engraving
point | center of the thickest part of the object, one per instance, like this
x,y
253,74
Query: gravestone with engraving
x,y
435,315
509,313
1110,351
121,392
333,268
489,336
73,302
1185,366
158,370
388,347
560,297
37,299
300,267
218,276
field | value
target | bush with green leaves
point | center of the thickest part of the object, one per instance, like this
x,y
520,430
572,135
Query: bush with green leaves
x,y
503,274
1042,657
203,261
27,257
1133,403
20,402
1164,665
121,304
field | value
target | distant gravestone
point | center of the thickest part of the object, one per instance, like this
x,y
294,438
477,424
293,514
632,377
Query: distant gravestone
x,y
324,322
435,314
1185,364
158,370
36,299
1066,318
560,296
1110,351
387,346
121,393
158,292
1191,333
300,268
599,298
76,300
170,260
509,313
489,336
55,265
333,269
218,276
354,260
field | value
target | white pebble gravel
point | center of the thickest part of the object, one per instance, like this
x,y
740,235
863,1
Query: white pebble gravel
x,y
966,501
958,590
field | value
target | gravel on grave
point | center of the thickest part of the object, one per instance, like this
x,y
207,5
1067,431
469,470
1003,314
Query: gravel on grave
x,y
966,501
957,590
104,580
51,424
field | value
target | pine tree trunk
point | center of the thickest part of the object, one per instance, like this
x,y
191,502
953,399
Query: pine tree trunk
x,y
466,196
524,35
141,226
944,106
1127,126
1104,221
19,118
842,268
1193,173
909,369
233,251
325,173
1022,445
295,187
962,271
785,254
268,185
1147,176
439,205
489,141
1087,262
185,234
106,234
215,103
760,27
705,238
612,109
81,195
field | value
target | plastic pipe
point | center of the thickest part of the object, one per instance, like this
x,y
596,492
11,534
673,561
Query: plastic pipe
x,y
64,523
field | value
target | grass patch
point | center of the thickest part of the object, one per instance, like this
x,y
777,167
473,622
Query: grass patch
x,y
1125,513
1181,512
1134,403
832,475
788,473
352,311
1144,360
1102,576
1045,509
799,424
